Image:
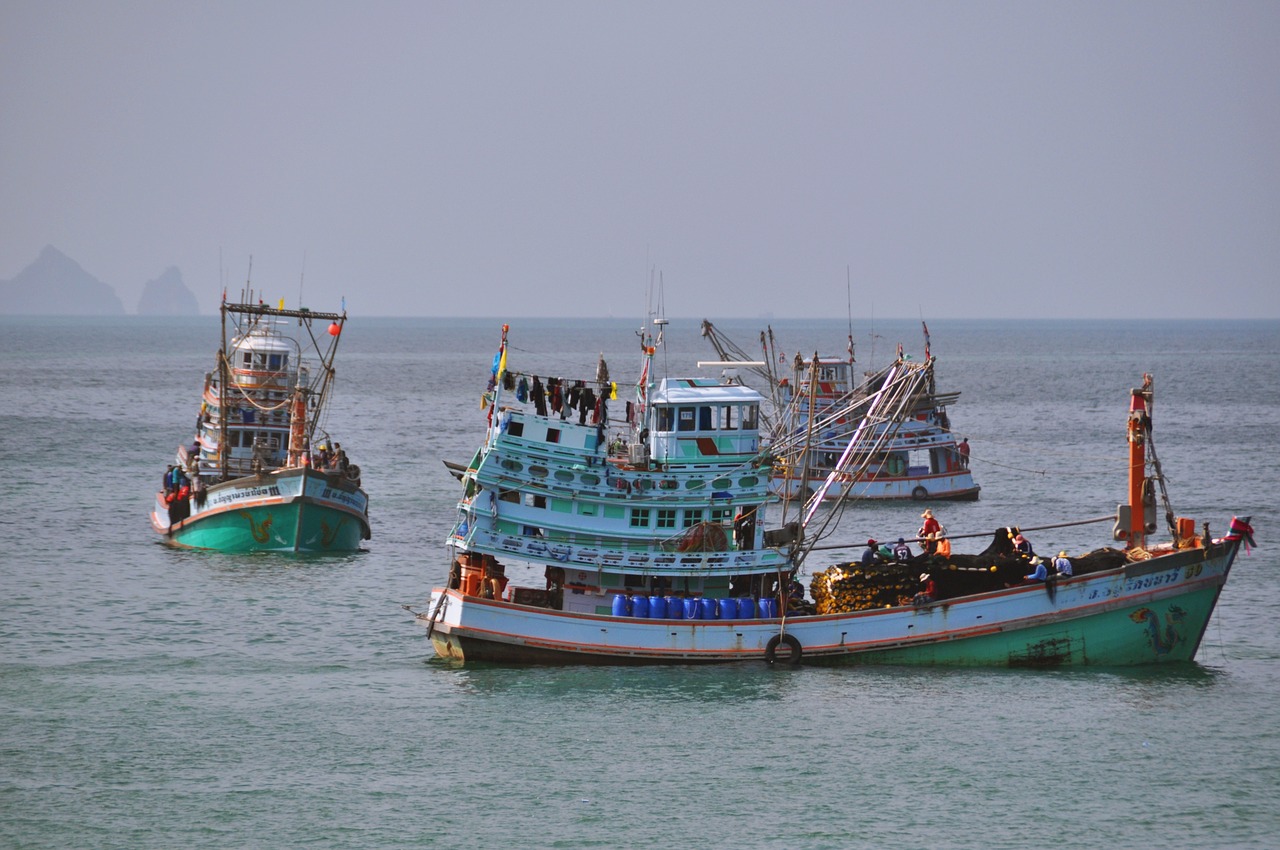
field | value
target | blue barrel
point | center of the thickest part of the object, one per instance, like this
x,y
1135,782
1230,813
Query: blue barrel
x,y
640,606
706,609
690,608
728,608
768,607
621,605
657,608
675,608
747,608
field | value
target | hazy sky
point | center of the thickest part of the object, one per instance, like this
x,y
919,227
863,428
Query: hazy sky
x,y
959,159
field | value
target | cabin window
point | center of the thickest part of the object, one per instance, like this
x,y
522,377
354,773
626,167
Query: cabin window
x,y
247,359
721,515
750,414
726,418
274,362
686,419
705,419
692,517
666,419
515,428
666,518
639,517
553,435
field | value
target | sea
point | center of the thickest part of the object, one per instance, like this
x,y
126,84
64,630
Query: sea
x,y
158,698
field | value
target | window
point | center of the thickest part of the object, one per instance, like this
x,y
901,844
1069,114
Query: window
x,y
749,414
666,518
721,515
515,428
686,419
705,419
692,517
553,435
639,517
726,418
666,419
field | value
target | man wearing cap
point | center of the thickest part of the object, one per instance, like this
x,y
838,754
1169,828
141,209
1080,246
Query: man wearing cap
x,y
871,555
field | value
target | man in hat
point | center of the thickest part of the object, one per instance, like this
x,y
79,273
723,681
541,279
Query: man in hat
x,y
928,528
1062,564
928,591
901,551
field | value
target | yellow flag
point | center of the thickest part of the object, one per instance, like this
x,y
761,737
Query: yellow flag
x,y
281,303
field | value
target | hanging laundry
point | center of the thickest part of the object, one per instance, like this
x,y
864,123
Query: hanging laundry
x,y
539,396
522,390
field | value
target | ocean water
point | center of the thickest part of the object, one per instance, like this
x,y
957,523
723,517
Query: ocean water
x,y
154,698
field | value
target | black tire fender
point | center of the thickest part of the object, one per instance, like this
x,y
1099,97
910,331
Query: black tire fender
x,y
794,650
919,494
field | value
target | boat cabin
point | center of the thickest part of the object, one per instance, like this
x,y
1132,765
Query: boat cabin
x,y
696,420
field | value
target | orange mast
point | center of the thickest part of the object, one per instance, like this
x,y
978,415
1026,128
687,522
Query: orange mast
x,y
1139,423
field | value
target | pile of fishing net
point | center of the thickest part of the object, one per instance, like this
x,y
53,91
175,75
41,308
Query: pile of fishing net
x,y
851,586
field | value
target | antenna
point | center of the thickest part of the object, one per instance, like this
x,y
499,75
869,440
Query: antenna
x,y
848,291
301,275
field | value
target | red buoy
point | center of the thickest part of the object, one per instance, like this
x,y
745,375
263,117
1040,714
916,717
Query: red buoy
x,y
335,329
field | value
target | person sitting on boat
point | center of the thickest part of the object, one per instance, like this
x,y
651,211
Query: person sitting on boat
x,y
928,591
795,596
901,551
941,545
1041,573
1062,564
872,553
929,527
1022,546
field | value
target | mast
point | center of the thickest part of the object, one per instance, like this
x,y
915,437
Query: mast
x,y
1140,403
224,375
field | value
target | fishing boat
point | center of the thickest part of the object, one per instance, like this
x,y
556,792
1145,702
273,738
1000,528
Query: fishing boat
x,y
816,409
261,474
652,542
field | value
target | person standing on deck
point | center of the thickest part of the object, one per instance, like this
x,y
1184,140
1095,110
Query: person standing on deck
x,y
928,529
962,451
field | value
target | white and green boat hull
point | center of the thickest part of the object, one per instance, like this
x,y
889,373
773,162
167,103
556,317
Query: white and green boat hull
x,y
292,510
1145,612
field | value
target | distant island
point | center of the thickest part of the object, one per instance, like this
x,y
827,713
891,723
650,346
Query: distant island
x,y
56,285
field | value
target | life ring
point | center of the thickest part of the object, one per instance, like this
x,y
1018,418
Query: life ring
x,y
352,473
794,649
920,494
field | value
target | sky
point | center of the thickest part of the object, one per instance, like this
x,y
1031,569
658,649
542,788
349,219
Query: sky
x,y
749,159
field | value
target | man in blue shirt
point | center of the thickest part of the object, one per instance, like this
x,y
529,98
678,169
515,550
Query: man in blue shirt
x,y
1062,564
871,555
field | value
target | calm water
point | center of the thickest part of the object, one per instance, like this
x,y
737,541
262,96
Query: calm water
x,y
152,698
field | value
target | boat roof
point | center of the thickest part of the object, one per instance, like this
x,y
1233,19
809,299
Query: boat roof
x,y
703,391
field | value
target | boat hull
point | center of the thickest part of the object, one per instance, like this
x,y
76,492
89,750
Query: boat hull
x,y
954,487
1146,612
294,510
